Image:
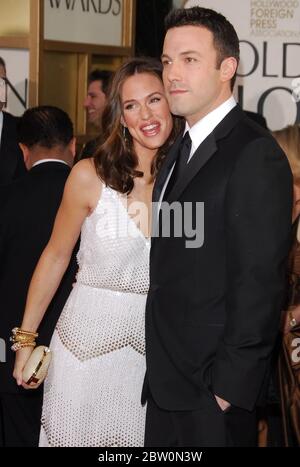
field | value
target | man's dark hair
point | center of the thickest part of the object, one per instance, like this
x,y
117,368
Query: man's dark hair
x,y
2,63
46,126
225,38
101,75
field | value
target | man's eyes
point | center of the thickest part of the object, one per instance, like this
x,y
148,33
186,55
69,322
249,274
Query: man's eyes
x,y
155,99
190,59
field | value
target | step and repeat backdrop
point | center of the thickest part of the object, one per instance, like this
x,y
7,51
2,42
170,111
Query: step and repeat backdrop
x,y
269,72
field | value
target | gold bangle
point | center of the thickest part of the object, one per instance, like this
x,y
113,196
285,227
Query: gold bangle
x,y
22,338
19,345
19,331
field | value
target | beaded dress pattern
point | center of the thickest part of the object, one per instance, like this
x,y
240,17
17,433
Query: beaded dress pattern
x,y
93,389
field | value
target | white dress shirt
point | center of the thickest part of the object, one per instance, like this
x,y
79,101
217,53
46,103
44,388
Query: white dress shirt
x,y
207,124
201,130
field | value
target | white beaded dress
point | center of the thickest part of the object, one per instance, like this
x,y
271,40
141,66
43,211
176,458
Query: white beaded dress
x,y
93,389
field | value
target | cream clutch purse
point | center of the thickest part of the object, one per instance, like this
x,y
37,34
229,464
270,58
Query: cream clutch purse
x,y
36,368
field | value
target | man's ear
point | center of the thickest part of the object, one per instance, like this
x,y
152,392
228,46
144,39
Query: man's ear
x,y
72,146
228,68
26,153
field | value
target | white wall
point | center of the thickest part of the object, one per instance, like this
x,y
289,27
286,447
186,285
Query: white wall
x,y
17,70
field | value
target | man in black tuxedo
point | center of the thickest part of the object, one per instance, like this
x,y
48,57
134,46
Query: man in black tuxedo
x,y
11,160
217,268
27,211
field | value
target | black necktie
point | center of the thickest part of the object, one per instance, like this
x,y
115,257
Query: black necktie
x,y
181,162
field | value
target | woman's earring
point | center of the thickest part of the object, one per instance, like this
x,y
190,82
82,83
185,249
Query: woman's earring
x,y
124,134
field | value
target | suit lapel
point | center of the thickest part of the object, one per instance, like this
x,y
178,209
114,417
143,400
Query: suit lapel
x,y
4,135
8,137
202,155
199,159
205,151
165,170
7,151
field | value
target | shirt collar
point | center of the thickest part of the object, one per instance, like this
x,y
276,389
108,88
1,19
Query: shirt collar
x,y
48,160
207,124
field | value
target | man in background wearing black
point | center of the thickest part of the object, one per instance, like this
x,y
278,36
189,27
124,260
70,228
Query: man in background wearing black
x,y
11,159
27,211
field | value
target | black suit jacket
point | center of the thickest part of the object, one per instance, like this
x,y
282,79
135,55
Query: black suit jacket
x,y
11,158
213,312
27,212
258,118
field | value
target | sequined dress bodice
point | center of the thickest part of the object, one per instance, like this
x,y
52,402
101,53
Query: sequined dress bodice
x,y
114,254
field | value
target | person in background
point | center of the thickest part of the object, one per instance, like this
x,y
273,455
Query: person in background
x,y
94,104
92,393
28,207
11,160
289,359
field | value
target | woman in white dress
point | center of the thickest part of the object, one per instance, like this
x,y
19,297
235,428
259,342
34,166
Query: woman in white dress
x,y
93,389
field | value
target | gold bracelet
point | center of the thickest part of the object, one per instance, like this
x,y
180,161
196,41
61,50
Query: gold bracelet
x,y
19,345
22,338
19,331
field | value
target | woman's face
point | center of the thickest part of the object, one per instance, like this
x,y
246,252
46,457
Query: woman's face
x,y
145,112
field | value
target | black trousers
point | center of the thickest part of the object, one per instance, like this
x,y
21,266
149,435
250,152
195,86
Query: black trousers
x,y
20,419
206,427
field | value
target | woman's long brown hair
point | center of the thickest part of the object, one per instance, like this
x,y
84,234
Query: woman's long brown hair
x,y
115,160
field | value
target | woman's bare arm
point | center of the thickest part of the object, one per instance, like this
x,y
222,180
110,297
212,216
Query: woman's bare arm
x,y
80,195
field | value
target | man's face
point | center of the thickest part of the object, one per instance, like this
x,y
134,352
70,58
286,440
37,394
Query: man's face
x,y
94,103
2,89
194,86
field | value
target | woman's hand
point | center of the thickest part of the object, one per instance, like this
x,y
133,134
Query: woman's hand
x,y
22,355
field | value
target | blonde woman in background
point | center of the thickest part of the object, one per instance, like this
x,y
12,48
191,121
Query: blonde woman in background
x,y
289,360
